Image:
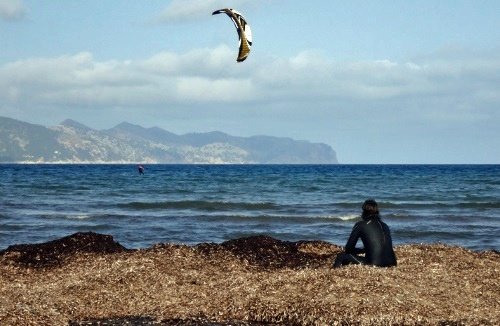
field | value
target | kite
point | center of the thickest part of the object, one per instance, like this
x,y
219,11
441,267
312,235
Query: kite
x,y
243,29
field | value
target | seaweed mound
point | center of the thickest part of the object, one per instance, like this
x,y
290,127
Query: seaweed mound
x,y
54,252
270,253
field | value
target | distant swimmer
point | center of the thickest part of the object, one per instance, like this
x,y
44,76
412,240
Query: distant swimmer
x,y
376,238
140,168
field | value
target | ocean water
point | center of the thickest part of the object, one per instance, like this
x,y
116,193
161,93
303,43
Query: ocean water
x,y
190,204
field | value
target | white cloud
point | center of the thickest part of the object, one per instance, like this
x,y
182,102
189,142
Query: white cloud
x,y
203,90
12,9
71,80
199,62
458,89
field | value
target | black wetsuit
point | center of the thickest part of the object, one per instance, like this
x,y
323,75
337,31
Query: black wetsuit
x,y
377,242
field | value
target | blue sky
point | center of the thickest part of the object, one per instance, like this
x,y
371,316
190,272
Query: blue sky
x,y
379,81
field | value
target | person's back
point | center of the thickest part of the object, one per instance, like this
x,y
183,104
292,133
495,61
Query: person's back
x,y
377,242
376,238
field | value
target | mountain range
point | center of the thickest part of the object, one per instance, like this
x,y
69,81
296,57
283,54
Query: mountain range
x,y
73,142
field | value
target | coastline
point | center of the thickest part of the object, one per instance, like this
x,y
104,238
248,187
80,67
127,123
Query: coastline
x,y
89,279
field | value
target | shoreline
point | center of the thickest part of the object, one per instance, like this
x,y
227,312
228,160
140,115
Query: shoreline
x,y
89,279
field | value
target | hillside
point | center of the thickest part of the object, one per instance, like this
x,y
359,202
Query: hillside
x,y
73,142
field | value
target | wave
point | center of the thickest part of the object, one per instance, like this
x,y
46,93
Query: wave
x,y
199,205
294,219
349,217
437,204
427,203
78,217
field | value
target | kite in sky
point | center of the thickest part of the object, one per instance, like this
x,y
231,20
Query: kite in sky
x,y
243,29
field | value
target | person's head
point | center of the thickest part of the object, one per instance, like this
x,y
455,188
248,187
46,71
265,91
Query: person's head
x,y
370,209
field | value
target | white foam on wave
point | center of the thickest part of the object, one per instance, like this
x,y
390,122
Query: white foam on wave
x,y
348,217
77,217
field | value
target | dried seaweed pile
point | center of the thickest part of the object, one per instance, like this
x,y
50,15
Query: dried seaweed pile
x,y
249,281
267,252
54,252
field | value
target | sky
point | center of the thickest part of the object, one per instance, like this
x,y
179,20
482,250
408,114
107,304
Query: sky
x,y
381,82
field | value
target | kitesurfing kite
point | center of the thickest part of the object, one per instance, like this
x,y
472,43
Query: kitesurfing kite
x,y
243,29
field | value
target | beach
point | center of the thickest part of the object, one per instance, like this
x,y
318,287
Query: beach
x,y
90,279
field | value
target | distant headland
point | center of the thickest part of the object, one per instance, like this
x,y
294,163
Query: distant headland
x,y
73,142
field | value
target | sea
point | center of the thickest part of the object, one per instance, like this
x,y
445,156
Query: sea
x,y
457,205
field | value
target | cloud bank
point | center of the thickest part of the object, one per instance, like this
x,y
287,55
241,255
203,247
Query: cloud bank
x,y
202,75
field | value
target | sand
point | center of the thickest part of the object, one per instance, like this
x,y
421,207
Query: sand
x,y
89,279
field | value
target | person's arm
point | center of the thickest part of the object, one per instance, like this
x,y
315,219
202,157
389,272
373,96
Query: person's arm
x,y
350,246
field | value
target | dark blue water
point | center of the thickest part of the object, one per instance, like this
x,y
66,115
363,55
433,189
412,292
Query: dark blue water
x,y
452,204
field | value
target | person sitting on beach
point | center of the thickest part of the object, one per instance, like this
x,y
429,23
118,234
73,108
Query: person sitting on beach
x,y
376,238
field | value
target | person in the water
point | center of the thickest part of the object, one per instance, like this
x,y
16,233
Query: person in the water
x,y
140,168
376,238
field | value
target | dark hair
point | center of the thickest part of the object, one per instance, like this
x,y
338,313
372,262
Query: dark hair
x,y
370,208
